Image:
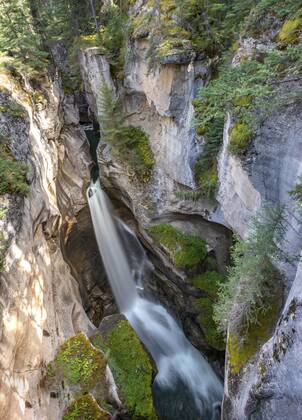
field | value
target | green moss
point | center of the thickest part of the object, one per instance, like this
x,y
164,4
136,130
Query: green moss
x,y
209,282
132,369
244,345
240,138
80,362
291,29
186,251
85,408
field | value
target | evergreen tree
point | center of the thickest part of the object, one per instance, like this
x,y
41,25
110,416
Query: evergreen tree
x,y
20,44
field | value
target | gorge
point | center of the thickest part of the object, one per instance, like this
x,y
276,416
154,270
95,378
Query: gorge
x,y
150,209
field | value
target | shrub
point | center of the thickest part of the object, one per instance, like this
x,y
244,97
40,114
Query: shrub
x,y
240,138
132,369
12,174
186,251
252,277
85,407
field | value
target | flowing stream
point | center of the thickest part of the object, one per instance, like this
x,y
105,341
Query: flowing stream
x,y
186,387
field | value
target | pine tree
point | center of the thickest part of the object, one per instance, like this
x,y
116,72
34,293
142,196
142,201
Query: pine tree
x,y
20,44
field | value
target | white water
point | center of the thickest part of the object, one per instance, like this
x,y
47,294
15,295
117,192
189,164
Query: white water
x,y
176,359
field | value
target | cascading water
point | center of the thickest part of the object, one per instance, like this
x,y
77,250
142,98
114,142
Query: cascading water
x,y
186,387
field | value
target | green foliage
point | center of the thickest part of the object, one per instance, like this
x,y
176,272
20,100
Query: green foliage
x,y
79,362
209,282
240,138
131,144
85,408
112,37
12,172
13,109
252,277
20,44
186,251
132,369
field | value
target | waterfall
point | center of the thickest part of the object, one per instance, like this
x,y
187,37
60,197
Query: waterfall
x,y
185,379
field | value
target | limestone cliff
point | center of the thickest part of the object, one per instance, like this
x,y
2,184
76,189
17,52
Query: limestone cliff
x,y
40,301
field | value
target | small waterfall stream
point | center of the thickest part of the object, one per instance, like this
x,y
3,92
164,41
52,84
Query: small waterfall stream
x,y
186,387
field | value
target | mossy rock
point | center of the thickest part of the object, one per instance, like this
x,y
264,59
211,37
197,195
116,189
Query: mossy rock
x,y
186,251
209,282
240,137
243,345
132,369
291,30
85,407
79,363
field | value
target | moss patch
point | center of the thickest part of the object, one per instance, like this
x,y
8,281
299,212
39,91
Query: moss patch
x,y
85,408
132,369
291,29
186,251
240,138
209,282
242,346
79,362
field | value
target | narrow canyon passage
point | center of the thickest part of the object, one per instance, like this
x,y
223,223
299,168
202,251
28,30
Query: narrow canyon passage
x,y
150,210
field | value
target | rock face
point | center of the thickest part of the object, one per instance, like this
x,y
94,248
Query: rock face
x,y
164,113
270,171
40,301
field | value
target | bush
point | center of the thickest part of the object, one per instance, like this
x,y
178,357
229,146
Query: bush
x,y
240,137
252,277
12,174
186,251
